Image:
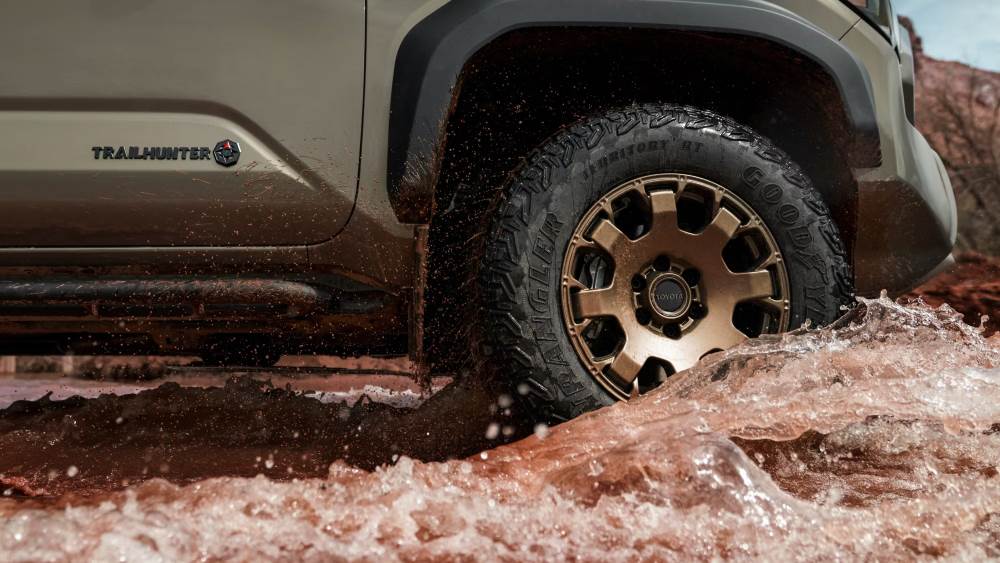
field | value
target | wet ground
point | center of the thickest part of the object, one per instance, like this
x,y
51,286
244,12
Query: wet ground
x,y
875,439
82,438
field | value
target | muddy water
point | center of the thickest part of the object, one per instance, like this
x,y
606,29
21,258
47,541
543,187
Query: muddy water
x,y
877,439
190,429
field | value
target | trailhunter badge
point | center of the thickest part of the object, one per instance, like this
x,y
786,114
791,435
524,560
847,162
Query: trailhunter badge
x,y
227,153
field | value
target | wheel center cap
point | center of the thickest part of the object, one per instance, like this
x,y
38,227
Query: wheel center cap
x,y
671,296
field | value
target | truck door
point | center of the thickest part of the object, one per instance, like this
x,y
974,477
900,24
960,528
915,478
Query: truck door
x,y
164,124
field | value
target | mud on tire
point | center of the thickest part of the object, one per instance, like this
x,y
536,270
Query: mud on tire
x,y
544,198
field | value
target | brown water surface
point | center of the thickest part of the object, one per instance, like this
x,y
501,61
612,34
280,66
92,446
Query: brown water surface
x,y
876,439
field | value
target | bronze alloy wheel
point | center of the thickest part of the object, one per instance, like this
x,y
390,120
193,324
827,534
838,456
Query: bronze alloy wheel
x,y
664,270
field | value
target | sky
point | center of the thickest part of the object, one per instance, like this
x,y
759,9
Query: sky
x,y
958,30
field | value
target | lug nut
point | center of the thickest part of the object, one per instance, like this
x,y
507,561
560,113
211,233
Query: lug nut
x,y
638,283
691,276
643,316
697,311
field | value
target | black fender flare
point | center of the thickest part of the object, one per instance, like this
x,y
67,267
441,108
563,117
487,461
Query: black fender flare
x,y
433,54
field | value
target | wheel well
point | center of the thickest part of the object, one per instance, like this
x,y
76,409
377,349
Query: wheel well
x,y
524,86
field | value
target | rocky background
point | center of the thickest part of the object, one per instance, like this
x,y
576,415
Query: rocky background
x,y
958,109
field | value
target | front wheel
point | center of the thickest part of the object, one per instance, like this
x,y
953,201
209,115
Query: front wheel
x,y
632,244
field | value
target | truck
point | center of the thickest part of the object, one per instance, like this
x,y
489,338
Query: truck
x,y
577,199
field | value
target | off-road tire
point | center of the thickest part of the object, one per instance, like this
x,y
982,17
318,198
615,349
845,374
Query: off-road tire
x,y
524,337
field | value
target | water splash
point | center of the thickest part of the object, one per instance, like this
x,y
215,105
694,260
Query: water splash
x,y
873,439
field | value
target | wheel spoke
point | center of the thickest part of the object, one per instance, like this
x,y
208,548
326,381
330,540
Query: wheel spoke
x,y
771,259
580,243
627,363
592,303
716,202
664,205
777,305
721,230
682,360
730,336
718,332
572,283
607,236
752,285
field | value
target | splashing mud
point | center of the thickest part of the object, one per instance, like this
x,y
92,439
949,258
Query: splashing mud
x,y
972,287
874,439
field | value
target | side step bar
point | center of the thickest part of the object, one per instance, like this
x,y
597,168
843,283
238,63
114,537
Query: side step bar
x,y
162,298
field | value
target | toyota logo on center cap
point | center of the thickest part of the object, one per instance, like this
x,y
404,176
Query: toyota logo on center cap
x,y
227,152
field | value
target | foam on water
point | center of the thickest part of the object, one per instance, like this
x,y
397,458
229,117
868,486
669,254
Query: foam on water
x,y
874,439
